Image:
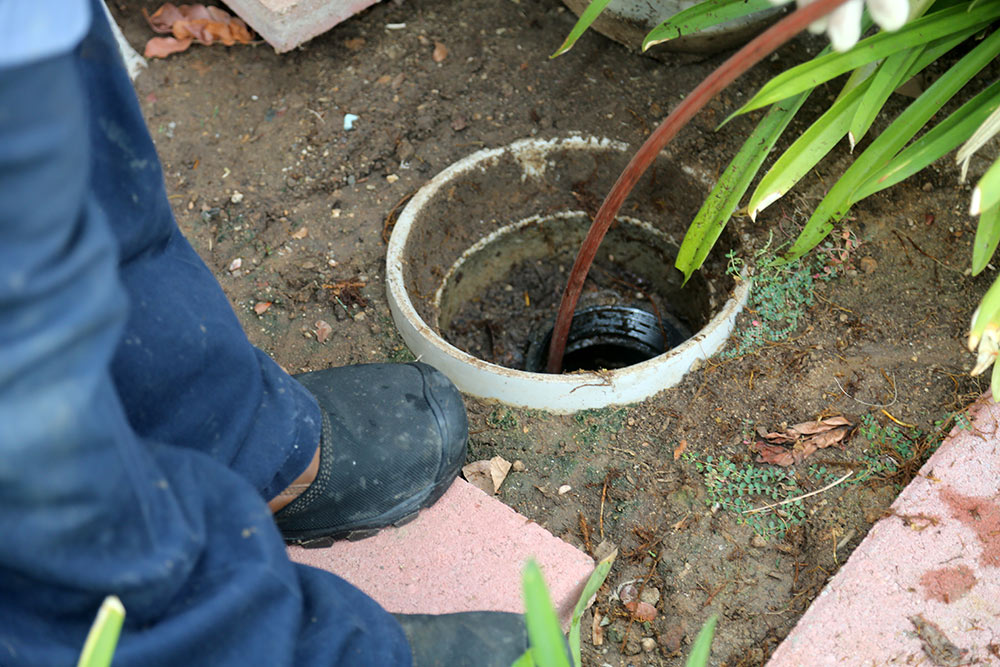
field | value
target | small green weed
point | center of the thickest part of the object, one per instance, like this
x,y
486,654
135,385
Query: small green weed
x,y
778,298
739,489
597,424
503,418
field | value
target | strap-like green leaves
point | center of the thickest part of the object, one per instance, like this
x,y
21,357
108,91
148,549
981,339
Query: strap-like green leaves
x,y
700,16
935,143
884,44
834,206
99,647
714,214
589,15
987,236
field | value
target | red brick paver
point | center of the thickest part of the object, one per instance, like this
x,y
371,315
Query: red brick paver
x,y
465,553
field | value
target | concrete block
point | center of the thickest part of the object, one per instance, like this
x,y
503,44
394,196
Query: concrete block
x,y
936,561
465,553
285,24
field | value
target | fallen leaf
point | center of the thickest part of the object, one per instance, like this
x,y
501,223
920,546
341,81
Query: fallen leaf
x,y
804,438
597,632
323,330
679,449
161,47
440,52
187,23
780,456
300,233
261,307
487,475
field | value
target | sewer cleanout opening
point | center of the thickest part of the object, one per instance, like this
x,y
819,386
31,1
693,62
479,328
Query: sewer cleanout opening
x,y
498,301
479,257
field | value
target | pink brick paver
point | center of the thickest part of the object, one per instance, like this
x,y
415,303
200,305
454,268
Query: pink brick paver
x,y
464,553
941,562
287,23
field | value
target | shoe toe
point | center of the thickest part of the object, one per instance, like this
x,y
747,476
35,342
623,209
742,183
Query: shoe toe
x,y
394,438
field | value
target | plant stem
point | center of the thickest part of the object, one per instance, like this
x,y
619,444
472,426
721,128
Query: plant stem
x,y
761,46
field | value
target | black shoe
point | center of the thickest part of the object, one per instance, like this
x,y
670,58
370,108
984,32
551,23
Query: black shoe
x,y
393,440
469,639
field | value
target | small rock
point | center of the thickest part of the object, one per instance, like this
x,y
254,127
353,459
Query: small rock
x,y
648,644
391,178
628,593
843,317
518,466
564,489
404,150
235,265
868,265
650,595
237,197
927,186
758,541
323,331
642,611
360,317
261,307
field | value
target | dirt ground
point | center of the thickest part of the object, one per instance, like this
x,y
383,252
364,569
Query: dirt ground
x,y
291,211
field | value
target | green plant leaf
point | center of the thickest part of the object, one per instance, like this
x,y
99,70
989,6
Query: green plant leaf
x,y
934,143
700,16
888,77
547,646
99,648
995,382
927,29
526,660
718,207
983,134
595,581
986,194
811,146
702,648
987,237
838,200
589,15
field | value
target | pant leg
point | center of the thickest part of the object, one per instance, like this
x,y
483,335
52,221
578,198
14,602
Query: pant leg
x,y
185,370
87,506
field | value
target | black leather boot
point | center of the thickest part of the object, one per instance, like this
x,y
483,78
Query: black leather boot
x,y
393,440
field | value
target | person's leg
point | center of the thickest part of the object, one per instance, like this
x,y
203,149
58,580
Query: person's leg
x,y
188,375
88,508
185,370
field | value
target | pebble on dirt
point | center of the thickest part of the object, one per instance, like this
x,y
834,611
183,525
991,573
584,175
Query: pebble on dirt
x,y
235,265
323,330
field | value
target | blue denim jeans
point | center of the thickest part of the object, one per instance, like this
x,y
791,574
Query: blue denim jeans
x,y
140,432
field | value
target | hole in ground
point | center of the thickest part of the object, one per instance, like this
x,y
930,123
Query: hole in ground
x,y
498,302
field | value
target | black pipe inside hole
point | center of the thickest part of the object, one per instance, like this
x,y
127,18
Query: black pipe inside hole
x,y
608,338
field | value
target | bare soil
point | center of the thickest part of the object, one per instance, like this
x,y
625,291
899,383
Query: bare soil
x,y
260,168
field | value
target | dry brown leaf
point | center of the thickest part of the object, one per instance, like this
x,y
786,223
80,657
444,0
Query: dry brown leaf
x,y
779,456
323,330
679,449
597,632
804,438
261,307
161,47
487,475
187,23
440,52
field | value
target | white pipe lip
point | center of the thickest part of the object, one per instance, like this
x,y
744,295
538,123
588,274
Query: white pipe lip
x,y
564,393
